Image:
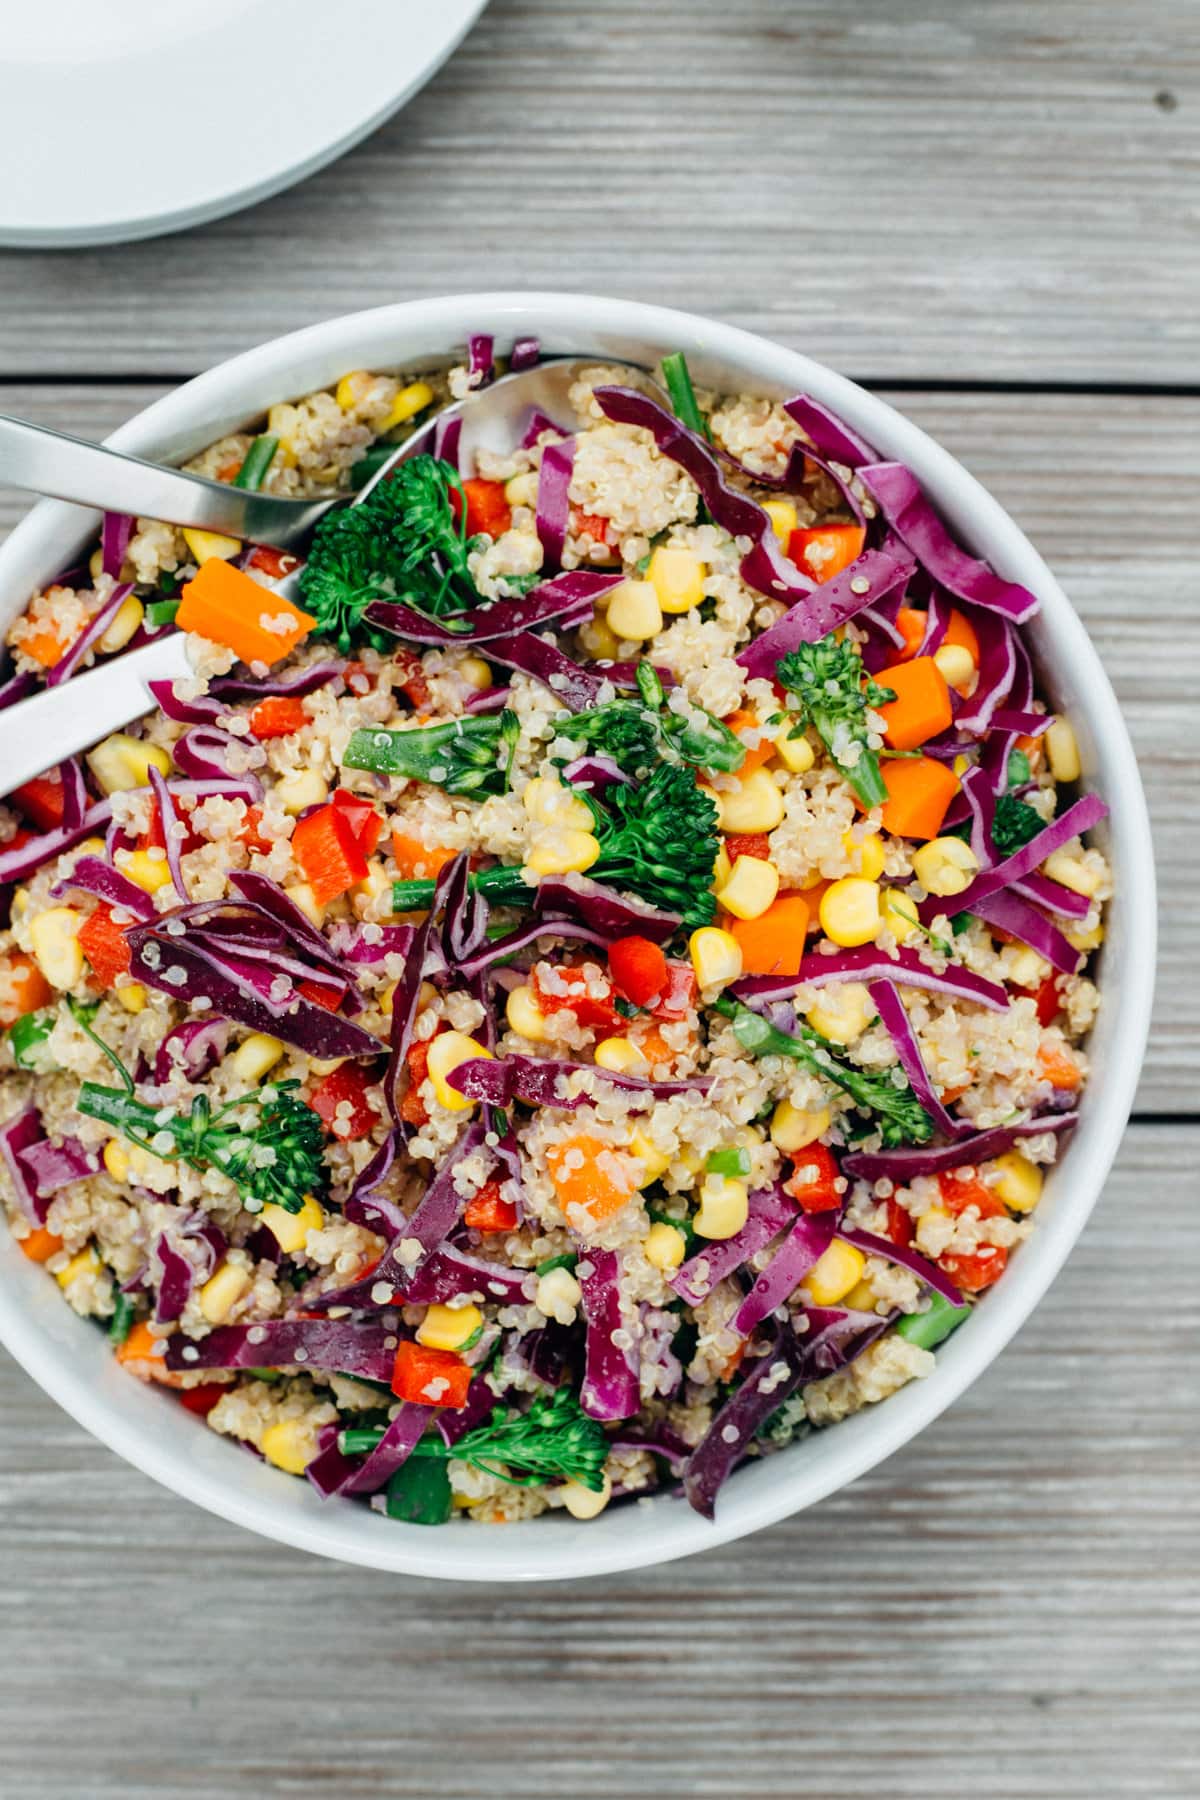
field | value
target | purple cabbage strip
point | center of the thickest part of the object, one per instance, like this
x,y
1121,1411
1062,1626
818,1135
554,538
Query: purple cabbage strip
x,y
204,709
801,1249
465,915
233,688
997,670
447,436
16,863
898,493
567,599
491,700
363,1347
54,1166
937,623
115,534
92,632
1052,895
481,357
976,790
352,945
454,1422
553,500
866,964
925,1159
828,434
1078,818
269,898
1013,913
168,819
768,1382
74,792
393,1450
365,1205
830,605
526,353
203,752
450,1272
519,939
190,1050
92,875
571,684
907,1258
538,423
14,688
595,772
440,1208
18,1137
610,1383
890,1008
1026,724
613,915
539,1082
173,1277
771,1209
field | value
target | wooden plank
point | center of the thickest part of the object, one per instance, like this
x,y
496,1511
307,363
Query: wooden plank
x,y
1106,488
1007,1609
996,187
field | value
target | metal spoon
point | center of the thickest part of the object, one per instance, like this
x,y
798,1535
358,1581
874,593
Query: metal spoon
x,y
55,723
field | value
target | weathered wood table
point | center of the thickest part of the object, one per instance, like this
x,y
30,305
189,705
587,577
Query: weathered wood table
x,y
988,210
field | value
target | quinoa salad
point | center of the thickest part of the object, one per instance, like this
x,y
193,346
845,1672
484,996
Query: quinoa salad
x,y
586,997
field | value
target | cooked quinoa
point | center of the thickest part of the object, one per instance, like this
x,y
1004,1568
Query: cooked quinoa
x,y
589,997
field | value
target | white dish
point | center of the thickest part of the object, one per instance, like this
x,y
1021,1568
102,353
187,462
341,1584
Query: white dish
x,y
165,115
71,1359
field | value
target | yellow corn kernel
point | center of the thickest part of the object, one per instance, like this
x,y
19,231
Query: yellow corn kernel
x,y
750,889
716,956
283,422
583,1502
448,1327
558,851
557,1295
145,869
722,868
783,517
599,639
96,563
289,1444
1062,751
474,670
116,1159
133,997
724,1207
524,1015
255,1056
693,1160
301,895
408,403
291,1229
945,865
834,1273
1020,1181
210,546
386,997
54,940
655,1162
354,388
447,1053
795,753
635,611
301,789
960,766
1071,872
861,1297
955,665
849,911
550,803
621,1056
755,804
866,854
1026,969
86,1262
222,1291
122,625
678,579
122,763
522,489
664,1246
1083,937
898,914
20,903
793,1129
842,1012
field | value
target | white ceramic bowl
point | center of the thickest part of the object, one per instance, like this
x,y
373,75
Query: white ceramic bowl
x,y
70,1358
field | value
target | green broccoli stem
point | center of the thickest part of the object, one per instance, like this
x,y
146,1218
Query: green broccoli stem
x,y
678,378
257,461
865,776
503,886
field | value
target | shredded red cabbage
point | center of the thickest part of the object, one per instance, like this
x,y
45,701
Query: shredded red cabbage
x,y
610,1387
363,1347
19,1135
526,353
903,1166
771,1209
115,534
1078,818
568,600
898,494
481,357
542,1081
890,1008
907,1257
190,1050
92,875
1012,913
868,964
611,914
804,1245
553,500
91,634
868,581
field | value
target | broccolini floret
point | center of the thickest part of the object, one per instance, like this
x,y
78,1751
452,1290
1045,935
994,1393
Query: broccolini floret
x,y
833,694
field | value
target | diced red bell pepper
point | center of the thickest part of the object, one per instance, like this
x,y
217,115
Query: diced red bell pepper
x,y
155,838
275,564
489,1211
328,854
823,551
568,989
680,992
487,509
594,527
279,715
361,817
413,1109
358,678
977,1271
41,800
105,945
340,1101
251,832
813,1183
900,1228
957,1195
201,1400
1049,1000
430,1377
638,968
321,994
28,989
411,679
747,843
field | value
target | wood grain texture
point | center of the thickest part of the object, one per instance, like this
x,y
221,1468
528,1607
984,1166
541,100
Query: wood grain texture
x,y
998,187
1006,1609
1106,488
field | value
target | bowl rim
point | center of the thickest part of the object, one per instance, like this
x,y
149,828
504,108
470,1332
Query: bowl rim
x,y
203,1468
